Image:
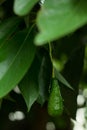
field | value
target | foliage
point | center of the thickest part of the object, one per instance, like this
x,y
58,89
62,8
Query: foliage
x,y
40,41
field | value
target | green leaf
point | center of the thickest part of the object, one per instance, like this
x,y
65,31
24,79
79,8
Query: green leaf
x,y
7,27
44,78
59,18
29,84
16,56
61,78
22,7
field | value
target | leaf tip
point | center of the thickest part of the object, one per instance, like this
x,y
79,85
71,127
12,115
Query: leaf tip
x,y
39,40
18,9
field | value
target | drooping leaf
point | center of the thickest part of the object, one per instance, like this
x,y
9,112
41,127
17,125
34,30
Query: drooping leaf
x,y
59,18
29,85
22,7
72,72
7,27
44,79
16,56
61,78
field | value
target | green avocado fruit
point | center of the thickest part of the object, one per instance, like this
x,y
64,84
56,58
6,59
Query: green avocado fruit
x,y
55,101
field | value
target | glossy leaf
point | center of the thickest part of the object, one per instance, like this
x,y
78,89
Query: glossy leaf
x,y
59,18
16,56
22,7
7,27
29,85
